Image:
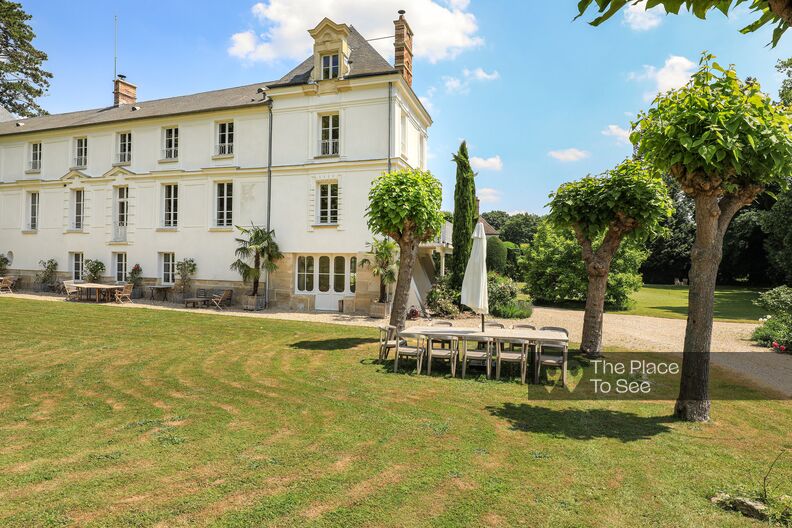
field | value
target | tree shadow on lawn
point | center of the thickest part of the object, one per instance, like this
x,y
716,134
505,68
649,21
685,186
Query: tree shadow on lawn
x,y
338,343
581,424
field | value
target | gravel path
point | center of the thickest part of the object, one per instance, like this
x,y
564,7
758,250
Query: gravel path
x,y
630,332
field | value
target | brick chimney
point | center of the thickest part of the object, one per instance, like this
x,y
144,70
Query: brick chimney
x,y
403,45
124,92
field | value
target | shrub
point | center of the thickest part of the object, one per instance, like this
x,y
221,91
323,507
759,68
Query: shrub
x,y
185,269
48,273
554,271
502,290
93,270
776,329
514,310
496,255
4,262
442,299
135,276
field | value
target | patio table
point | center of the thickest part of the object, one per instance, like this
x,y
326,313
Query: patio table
x,y
162,288
101,289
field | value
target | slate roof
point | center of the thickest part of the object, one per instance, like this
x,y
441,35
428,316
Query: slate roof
x,y
239,96
363,58
488,229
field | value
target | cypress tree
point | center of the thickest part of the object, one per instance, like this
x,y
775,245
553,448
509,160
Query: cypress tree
x,y
465,215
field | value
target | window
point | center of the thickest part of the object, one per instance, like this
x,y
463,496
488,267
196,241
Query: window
x,y
168,268
422,153
33,211
328,203
80,153
352,274
121,213
35,157
330,66
339,274
171,210
225,139
120,267
170,143
328,145
404,133
324,274
77,266
78,208
224,214
305,274
124,154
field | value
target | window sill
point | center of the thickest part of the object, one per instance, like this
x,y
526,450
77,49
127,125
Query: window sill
x,y
167,229
222,156
29,231
168,160
76,231
78,167
33,171
122,164
118,243
217,229
326,225
327,156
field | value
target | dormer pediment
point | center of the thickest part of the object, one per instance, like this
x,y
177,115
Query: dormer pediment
x,y
330,39
75,175
115,172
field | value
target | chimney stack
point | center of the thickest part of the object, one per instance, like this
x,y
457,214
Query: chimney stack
x,y
124,92
403,45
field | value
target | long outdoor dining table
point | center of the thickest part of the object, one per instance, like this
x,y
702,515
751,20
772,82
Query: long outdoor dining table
x,y
538,336
98,287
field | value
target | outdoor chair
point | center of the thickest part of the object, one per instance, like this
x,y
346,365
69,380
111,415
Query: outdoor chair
x,y
405,350
387,340
518,353
481,352
222,299
436,349
494,325
6,285
552,354
71,291
123,295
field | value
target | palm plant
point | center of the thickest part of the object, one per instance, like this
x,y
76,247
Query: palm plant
x,y
257,245
382,264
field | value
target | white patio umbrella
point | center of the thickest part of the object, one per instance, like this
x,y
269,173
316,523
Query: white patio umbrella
x,y
474,285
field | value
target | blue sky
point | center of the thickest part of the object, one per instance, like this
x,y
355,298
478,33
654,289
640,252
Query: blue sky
x,y
540,99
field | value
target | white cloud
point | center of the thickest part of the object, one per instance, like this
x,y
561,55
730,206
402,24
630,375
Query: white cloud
x,y
456,85
622,135
673,74
638,18
442,29
493,163
570,154
488,195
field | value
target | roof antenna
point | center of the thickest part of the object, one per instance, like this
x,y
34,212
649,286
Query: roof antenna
x,y
115,46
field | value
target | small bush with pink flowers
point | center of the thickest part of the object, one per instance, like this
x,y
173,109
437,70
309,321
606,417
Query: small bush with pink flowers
x,y
776,329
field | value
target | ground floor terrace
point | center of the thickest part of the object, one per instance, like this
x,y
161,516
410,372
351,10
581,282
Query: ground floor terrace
x,y
166,417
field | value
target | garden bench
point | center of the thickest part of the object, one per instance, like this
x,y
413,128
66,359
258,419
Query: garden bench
x,y
202,298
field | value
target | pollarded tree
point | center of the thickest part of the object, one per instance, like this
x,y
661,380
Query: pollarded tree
x,y
405,205
630,200
465,215
723,141
778,12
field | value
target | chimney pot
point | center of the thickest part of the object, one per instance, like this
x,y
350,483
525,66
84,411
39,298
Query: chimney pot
x,y
403,47
124,92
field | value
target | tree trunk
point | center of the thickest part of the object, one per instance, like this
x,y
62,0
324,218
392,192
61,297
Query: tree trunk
x,y
781,8
383,298
591,343
408,248
257,266
713,215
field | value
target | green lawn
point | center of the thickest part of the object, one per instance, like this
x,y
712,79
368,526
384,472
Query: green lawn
x,y
135,417
731,304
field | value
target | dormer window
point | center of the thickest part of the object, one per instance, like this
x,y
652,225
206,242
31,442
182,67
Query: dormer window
x,y
330,66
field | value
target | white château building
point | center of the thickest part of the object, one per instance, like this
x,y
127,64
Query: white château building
x,y
153,182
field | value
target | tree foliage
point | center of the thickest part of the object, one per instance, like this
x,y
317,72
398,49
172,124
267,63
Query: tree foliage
x,y
778,242
784,67
256,251
772,12
496,218
554,270
22,79
519,228
405,205
496,255
465,215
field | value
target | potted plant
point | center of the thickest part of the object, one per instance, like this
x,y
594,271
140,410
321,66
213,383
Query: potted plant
x,y
383,265
4,262
135,277
185,269
48,274
257,250
93,270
